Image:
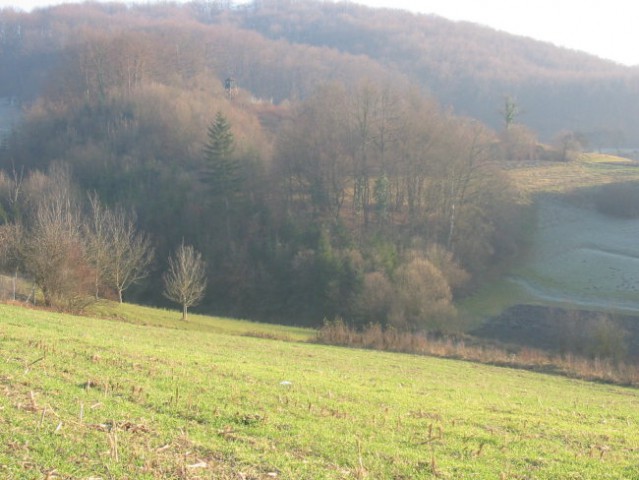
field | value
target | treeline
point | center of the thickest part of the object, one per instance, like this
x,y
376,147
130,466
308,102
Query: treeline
x,y
74,250
467,66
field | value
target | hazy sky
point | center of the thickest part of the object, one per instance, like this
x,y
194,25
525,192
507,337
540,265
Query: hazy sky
x,y
606,28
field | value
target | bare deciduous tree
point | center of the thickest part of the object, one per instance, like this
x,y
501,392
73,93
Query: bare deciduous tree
x,y
130,252
11,235
97,234
53,250
185,281
119,254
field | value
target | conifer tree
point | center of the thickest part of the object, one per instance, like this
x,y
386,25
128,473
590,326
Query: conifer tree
x,y
221,167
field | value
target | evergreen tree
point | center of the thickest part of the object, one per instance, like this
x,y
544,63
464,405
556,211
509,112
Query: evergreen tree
x,y
222,168
222,172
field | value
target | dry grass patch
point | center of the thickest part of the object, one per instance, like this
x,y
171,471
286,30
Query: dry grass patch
x,y
588,171
606,370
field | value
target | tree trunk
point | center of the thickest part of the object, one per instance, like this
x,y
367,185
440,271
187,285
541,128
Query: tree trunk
x,y
185,312
15,284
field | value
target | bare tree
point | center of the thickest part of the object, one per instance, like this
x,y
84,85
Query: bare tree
x,y
53,250
130,252
97,235
119,254
11,235
185,281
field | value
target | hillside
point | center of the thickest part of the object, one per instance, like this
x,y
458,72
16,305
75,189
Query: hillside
x,y
470,67
578,256
347,176
283,50
84,397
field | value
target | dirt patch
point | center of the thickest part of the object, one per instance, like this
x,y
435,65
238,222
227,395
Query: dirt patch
x,y
559,330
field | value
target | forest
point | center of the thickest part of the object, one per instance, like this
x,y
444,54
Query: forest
x,y
314,153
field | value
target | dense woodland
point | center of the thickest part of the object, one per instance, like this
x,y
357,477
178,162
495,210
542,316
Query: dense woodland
x,y
308,150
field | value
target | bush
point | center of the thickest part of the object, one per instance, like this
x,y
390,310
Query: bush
x,y
596,336
423,298
374,300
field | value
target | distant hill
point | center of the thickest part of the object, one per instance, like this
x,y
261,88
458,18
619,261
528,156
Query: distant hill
x,y
281,50
470,67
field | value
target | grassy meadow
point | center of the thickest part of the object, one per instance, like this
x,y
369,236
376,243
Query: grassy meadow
x,y
141,397
576,256
589,170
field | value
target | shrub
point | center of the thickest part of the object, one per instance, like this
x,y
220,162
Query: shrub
x,y
609,340
375,298
423,298
592,336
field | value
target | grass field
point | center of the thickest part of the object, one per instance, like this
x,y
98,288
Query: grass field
x,y
576,257
97,398
558,177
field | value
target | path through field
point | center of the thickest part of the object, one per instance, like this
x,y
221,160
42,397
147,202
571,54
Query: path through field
x,y
582,258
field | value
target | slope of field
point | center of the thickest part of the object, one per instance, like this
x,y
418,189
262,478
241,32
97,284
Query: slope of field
x,y
577,256
583,258
90,398
539,178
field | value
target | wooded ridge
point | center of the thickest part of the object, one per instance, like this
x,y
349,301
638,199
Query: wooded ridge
x,y
307,149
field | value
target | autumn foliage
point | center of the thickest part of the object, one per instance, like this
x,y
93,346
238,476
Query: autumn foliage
x,y
347,189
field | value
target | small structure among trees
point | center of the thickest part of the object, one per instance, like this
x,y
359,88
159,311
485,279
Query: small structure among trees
x,y
230,86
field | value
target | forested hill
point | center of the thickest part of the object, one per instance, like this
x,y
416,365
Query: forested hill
x,y
470,67
296,145
282,50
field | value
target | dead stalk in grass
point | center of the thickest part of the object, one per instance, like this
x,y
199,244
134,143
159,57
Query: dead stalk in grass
x,y
433,462
112,435
361,470
44,411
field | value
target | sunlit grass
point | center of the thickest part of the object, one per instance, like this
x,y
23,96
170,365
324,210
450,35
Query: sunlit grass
x,y
141,315
493,298
86,397
559,177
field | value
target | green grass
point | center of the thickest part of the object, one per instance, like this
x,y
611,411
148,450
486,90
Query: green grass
x,y
493,298
95,398
575,257
171,319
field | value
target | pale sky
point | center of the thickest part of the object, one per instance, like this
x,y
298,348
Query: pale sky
x,y
606,28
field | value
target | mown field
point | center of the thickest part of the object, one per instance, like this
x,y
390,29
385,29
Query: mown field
x,y
576,257
589,170
141,397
